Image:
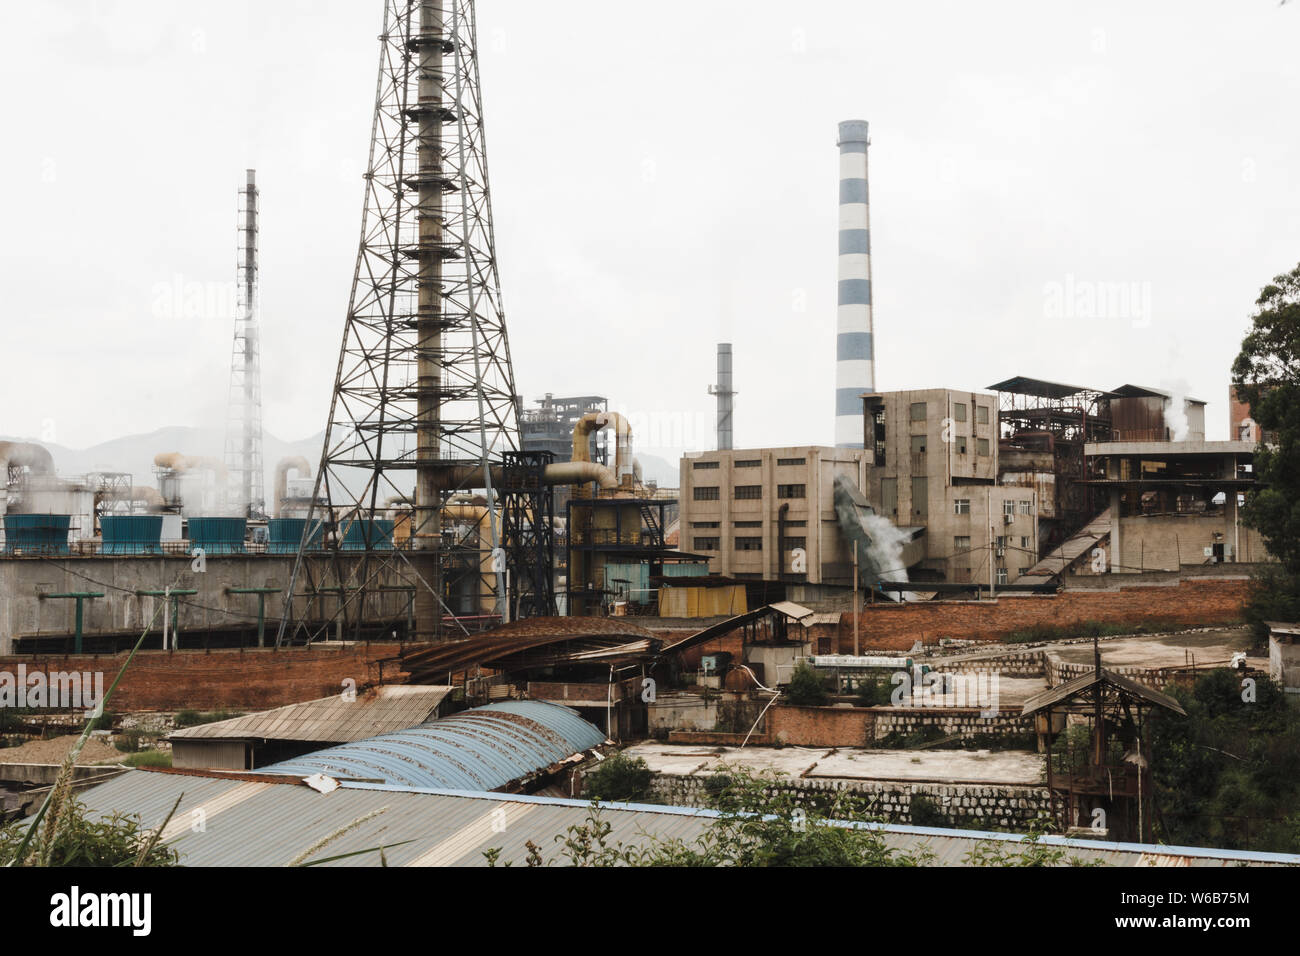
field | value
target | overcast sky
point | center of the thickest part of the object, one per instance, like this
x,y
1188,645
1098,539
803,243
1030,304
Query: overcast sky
x,y
665,176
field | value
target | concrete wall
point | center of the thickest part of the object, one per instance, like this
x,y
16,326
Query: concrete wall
x,y
122,611
1284,662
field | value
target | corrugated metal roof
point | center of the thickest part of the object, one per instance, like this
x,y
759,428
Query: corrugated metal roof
x,y
251,824
331,719
1075,687
480,749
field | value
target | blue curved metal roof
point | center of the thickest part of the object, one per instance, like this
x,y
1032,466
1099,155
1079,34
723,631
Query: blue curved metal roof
x,y
479,749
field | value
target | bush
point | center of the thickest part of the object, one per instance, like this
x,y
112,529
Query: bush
x,y
114,841
806,688
873,693
148,758
926,813
618,777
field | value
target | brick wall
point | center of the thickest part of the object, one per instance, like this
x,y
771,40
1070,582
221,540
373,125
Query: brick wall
x,y
1193,602
866,726
247,680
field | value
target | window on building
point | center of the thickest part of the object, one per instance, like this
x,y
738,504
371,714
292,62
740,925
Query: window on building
x,y
705,524
959,411
706,493
961,506
961,543
961,444
800,542
918,411
790,462
749,491
889,495
1024,541
981,414
1002,576
749,463
1026,506
918,444
796,524
748,524
1008,507
982,446
749,544
791,491
1001,541
704,465
707,544
920,496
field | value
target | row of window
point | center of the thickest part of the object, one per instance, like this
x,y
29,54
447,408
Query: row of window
x,y
961,542
747,492
746,463
746,524
981,445
958,412
747,543
961,506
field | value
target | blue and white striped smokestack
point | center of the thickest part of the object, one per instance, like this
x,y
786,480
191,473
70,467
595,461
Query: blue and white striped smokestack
x,y
855,365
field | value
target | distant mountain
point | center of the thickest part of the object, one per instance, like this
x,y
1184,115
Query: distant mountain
x,y
134,454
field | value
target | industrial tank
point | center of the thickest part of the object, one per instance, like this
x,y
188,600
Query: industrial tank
x,y
377,531
37,533
218,535
286,533
131,534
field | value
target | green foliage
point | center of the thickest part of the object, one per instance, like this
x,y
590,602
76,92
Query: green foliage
x,y
1274,596
806,688
1000,853
618,777
1039,633
1228,775
1267,375
924,812
149,758
192,718
114,841
873,692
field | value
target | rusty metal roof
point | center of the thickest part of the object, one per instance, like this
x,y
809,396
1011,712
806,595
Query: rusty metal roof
x,y
1073,688
333,719
480,749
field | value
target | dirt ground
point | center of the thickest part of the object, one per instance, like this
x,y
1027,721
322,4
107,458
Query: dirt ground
x,y
56,748
1165,650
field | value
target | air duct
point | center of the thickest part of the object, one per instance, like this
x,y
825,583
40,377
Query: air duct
x,y
294,463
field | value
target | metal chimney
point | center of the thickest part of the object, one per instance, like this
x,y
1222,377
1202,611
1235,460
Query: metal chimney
x,y
855,364
724,393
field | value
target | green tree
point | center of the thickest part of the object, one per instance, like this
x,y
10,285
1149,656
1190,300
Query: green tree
x,y
806,688
1266,374
618,777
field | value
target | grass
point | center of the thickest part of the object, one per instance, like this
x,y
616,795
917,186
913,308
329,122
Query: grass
x,y
148,758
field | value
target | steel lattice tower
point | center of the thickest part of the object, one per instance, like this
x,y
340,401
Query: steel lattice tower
x,y
244,422
424,399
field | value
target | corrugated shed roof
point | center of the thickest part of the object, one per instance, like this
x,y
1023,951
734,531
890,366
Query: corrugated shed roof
x,y
252,824
1077,686
330,719
480,749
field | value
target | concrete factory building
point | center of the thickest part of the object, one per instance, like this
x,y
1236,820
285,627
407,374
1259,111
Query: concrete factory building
x,y
932,462
752,510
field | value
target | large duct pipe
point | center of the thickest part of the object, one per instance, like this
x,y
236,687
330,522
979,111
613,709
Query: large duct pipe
x,y
35,458
183,464
855,365
594,421
282,468
561,473
724,393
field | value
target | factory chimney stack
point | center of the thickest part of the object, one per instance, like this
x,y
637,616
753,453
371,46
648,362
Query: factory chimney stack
x,y
724,393
855,364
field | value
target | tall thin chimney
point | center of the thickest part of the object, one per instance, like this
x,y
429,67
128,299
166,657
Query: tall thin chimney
x,y
724,393
855,363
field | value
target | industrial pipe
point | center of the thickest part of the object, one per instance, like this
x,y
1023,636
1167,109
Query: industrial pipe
x,y
181,464
594,421
282,468
19,454
561,473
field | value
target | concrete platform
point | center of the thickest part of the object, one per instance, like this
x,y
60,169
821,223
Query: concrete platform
x,y
1165,650
1000,768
